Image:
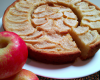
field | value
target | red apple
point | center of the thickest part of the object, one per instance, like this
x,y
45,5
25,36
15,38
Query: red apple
x,y
23,75
13,54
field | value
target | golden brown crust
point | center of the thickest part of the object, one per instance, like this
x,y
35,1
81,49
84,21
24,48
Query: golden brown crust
x,y
3,19
52,58
93,49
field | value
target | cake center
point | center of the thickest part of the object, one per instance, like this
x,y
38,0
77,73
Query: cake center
x,y
54,19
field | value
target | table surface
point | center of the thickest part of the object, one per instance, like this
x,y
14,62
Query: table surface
x,y
5,3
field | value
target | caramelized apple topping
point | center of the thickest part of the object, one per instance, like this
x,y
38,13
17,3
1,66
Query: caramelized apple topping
x,y
39,21
81,30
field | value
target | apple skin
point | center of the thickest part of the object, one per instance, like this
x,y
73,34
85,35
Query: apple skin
x,y
13,54
23,75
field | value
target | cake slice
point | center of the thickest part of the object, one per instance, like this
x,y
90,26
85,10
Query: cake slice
x,y
87,40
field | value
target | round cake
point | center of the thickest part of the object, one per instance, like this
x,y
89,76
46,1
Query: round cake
x,y
55,31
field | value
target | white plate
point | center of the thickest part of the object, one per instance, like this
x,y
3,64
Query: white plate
x,y
66,71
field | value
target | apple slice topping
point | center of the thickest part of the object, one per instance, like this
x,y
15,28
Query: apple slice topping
x,y
56,16
81,30
38,22
20,8
89,37
70,15
16,19
71,22
13,11
40,9
61,27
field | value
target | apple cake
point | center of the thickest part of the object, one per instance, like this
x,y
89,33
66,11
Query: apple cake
x,y
55,31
